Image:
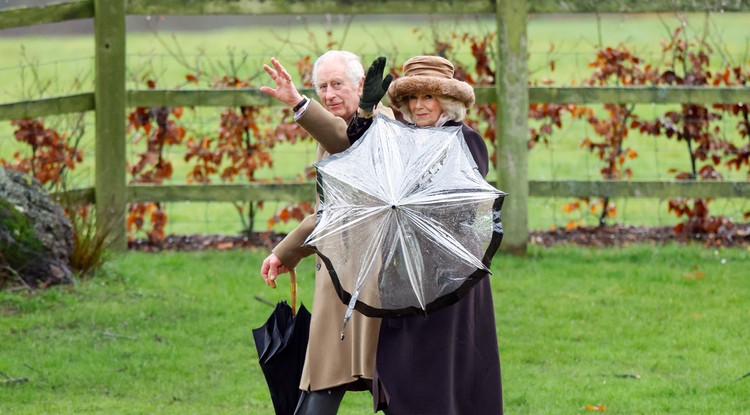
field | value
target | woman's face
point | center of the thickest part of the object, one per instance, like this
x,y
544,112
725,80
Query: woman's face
x,y
425,110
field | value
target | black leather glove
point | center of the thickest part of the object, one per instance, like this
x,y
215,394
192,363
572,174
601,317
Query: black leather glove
x,y
375,85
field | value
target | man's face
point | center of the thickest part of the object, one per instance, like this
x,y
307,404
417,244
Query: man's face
x,y
336,91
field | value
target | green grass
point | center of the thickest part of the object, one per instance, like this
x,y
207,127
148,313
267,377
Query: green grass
x,y
569,40
577,327
642,330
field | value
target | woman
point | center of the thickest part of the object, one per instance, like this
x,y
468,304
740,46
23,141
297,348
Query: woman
x,y
446,362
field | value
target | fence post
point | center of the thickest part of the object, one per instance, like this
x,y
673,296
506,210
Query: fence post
x,y
512,122
109,95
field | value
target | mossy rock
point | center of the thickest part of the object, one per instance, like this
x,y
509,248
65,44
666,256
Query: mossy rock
x,y
35,234
19,245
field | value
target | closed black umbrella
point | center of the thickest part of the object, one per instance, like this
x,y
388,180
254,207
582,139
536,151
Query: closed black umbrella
x,y
281,343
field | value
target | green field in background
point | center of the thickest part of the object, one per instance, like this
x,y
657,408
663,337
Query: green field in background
x,y
34,66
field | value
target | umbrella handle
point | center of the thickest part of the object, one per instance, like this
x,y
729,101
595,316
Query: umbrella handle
x,y
293,290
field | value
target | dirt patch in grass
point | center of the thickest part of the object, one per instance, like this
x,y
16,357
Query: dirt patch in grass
x,y
738,235
615,235
199,242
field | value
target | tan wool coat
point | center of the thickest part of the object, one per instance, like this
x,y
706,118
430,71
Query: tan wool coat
x,y
330,361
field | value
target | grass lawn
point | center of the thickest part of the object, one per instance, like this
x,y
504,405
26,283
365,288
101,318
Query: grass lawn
x,y
640,330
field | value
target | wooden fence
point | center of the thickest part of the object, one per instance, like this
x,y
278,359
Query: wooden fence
x,y
110,98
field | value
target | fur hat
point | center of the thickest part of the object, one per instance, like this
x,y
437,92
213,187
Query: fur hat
x,y
432,75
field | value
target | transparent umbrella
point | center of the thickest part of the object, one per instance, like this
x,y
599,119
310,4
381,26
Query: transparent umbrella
x,y
406,223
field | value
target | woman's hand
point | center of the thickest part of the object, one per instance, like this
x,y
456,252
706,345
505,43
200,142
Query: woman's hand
x,y
375,85
285,90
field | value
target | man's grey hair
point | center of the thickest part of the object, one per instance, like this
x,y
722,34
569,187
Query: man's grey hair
x,y
454,109
355,70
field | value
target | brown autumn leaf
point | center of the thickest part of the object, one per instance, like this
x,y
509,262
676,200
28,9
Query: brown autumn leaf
x,y
571,225
596,408
694,275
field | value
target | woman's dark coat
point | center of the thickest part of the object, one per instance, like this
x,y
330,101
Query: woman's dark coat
x,y
447,362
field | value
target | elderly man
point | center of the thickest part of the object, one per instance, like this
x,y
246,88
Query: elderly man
x,y
332,366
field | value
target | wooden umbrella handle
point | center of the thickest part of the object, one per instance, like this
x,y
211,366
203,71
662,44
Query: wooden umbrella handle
x,y
293,290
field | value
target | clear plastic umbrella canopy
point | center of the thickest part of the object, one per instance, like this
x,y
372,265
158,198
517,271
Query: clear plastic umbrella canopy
x,y
406,223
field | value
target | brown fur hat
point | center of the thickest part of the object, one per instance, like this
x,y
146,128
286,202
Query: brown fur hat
x,y
431,75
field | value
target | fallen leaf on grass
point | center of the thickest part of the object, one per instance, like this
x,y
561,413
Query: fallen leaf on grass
x,y
595,408
695,274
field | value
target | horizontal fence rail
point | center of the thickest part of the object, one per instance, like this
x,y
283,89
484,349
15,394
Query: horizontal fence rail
x,y
639,95
53,13
485,95
635,6
47,106
355,7
537,188
289,192
82,9
294,192
639,189
202,97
